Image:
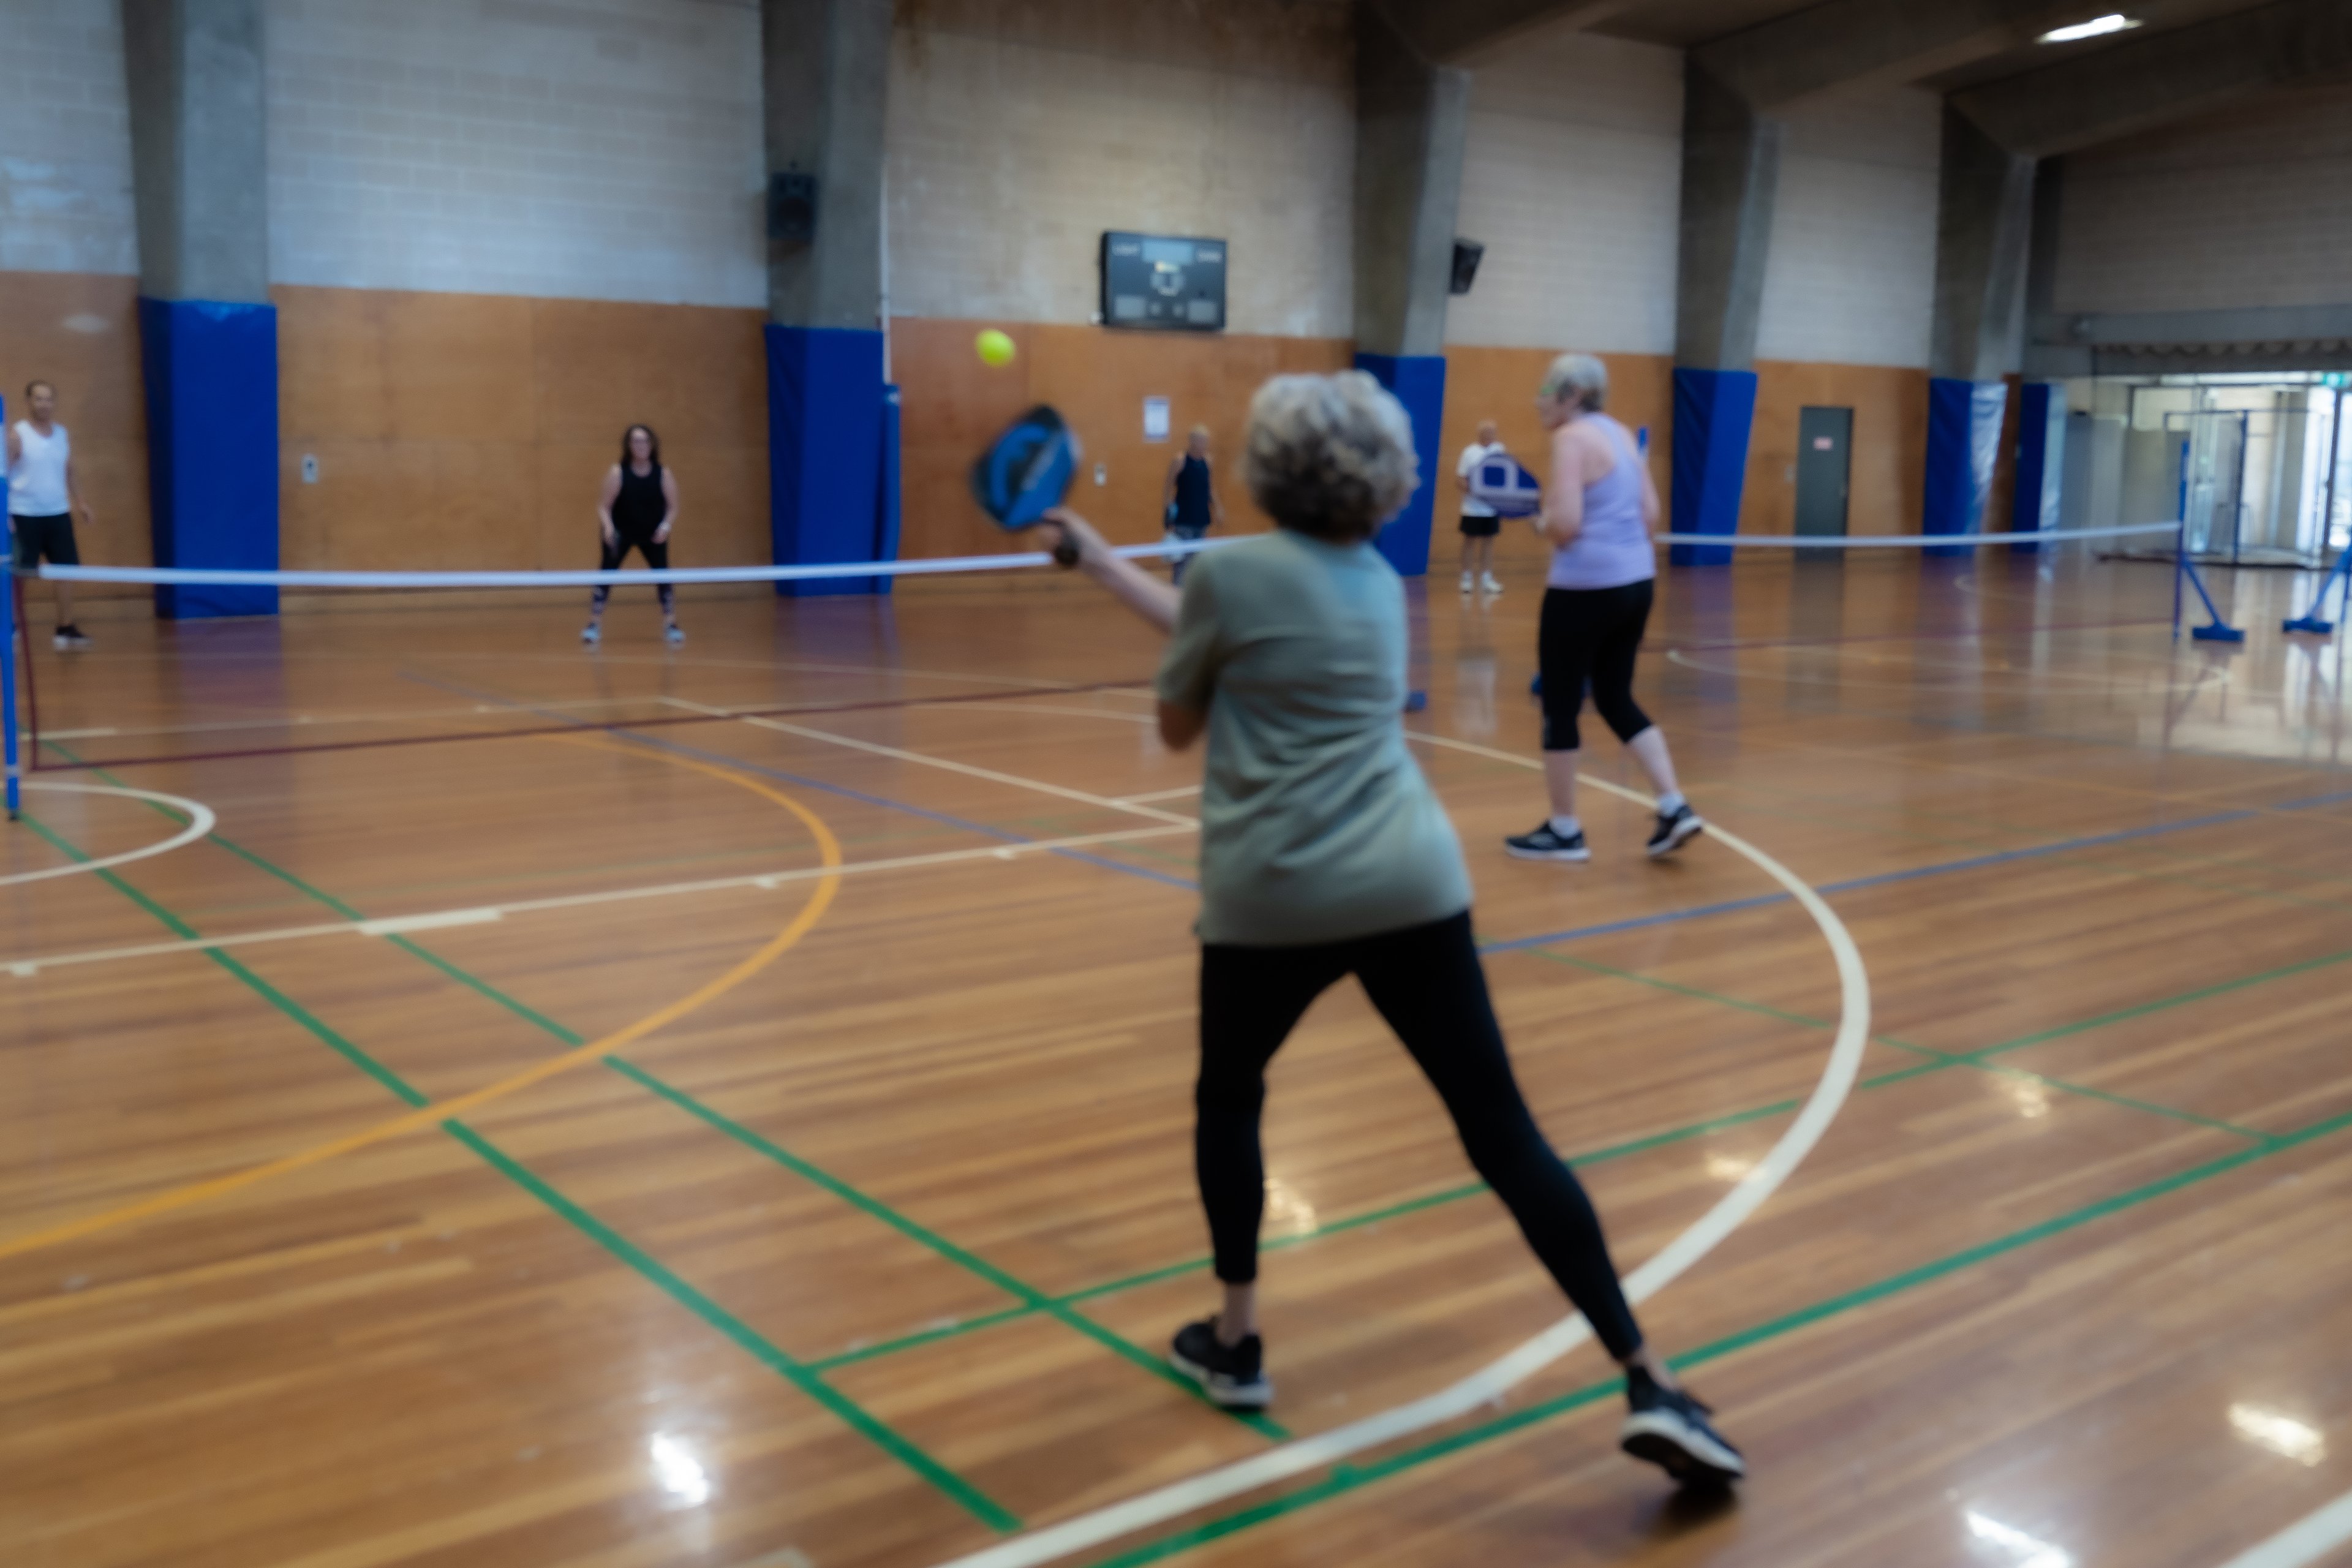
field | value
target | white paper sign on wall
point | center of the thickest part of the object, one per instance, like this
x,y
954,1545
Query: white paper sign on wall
x,y
1155,420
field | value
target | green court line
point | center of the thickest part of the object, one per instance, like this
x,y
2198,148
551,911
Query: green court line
x,y
269,993
1032,1299
794,1371
1349,1479
1947,1058
770,1356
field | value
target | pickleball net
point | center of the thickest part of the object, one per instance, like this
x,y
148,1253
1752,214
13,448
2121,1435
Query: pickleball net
x,y
206,690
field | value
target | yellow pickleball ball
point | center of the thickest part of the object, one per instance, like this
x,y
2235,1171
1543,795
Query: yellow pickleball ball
x,y
994,347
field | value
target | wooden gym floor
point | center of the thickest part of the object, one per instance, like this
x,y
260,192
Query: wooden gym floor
x,y
549,1122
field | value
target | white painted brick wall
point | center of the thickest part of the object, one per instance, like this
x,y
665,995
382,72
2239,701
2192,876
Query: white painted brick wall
x,y
579,149
65,139
1571,180
2242,208
1017,136
1852,276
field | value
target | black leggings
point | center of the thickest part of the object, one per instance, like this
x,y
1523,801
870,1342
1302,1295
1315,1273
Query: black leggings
x,y
1590,635
657,554
1427,983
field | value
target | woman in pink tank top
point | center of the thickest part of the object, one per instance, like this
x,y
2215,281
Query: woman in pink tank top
x,y
1598,512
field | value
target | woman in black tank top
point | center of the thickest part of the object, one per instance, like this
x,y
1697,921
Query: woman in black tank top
x,y
637,511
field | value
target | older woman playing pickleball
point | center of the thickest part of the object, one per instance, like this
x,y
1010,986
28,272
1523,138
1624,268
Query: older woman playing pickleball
x,y
1324,853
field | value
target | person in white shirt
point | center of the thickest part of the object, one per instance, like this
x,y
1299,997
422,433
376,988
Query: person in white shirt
x,y
42,500
1479,523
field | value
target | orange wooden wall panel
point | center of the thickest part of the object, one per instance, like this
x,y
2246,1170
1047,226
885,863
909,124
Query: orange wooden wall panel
x,y
80,331
458,431
1890,444
951,404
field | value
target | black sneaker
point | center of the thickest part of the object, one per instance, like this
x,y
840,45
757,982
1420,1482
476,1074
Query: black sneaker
x,y
1675,830
1232,1376
1669,1429
1543,844
68,637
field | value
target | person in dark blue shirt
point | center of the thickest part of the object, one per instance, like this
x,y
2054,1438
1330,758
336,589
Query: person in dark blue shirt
x,y
1189,503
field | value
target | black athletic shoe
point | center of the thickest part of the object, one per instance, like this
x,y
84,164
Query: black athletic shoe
x,y
1543,844
68,637
1675,830
1232,1376
1669,1429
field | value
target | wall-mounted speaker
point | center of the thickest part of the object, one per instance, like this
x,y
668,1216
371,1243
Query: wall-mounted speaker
x,y
1467,254
791,208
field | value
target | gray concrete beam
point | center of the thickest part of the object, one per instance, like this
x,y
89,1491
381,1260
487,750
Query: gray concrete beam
x,y
1446,31
1412,119
1983,227
199,148
1851,43
2149,81
825,72
1731,175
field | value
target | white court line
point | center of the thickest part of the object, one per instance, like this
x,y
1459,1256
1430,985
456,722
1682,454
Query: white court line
x,y
483,914
2305,1541
1178,793
1490,1383
923,760
1047,708
201,821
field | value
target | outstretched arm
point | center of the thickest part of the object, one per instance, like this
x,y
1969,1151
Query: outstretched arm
x,y
1147,595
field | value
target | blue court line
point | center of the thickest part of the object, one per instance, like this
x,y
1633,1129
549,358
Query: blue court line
x,y
2316,800
1941,868
722,760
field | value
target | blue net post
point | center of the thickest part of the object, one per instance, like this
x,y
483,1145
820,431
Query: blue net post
x,y
2179,569
8,681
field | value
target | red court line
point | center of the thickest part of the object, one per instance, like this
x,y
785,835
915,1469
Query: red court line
x,y
581,727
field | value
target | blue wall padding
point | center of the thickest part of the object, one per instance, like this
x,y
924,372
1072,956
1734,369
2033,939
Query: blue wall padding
x,y
824,451
889,505
1713,412
1963,442
211,376
2041,460
1417,381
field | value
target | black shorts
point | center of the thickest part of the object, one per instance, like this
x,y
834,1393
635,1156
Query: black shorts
x,y
1480,527
48,537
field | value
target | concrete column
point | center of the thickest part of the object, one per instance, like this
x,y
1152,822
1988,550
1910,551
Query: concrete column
x,y
208,335
1731,173
825,69
1412,120
1983,236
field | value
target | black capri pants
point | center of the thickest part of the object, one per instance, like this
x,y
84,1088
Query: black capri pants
x,y
1590,636
657,554
1427,983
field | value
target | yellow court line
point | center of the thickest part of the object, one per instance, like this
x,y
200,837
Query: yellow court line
x,y
829,852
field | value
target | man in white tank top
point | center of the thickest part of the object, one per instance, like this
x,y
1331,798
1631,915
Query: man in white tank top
x,y
42,500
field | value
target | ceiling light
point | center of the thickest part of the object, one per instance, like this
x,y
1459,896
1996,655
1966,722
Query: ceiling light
x,y
2097,26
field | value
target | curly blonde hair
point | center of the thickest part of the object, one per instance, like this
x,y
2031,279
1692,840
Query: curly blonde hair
x,y
1330,456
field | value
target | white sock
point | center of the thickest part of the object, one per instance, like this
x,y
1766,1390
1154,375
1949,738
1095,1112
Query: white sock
x,y
1566,826
1671,801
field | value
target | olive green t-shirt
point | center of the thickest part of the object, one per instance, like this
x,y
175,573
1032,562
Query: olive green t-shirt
x,y
1315,822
